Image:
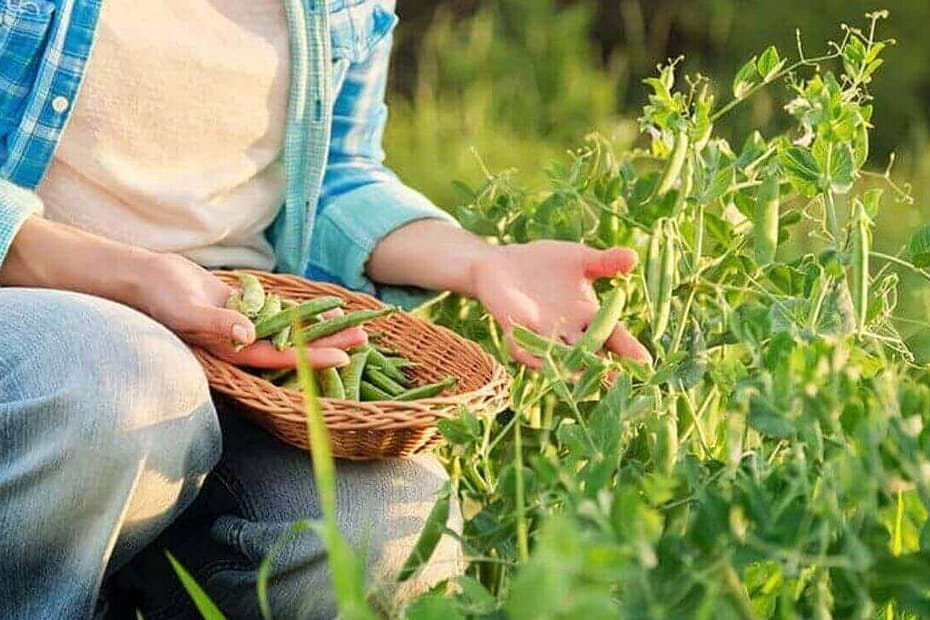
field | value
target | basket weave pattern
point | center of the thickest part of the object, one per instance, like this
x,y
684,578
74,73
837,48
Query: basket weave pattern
x,y
369,430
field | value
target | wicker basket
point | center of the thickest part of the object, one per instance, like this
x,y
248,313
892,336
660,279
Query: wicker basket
x,y
369,430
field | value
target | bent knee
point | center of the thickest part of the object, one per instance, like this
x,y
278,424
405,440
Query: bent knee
x,y
381,510
102,373
390,521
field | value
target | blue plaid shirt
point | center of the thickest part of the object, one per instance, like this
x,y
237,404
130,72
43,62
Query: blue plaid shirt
x,y
339,193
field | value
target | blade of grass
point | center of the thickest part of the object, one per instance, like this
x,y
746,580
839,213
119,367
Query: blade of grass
x,y
347,571
202,601
264,569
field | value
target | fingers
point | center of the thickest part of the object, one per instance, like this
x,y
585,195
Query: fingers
x,y
622,342
608,263
572,336
332,314
520,355
346,339
210,324
262,354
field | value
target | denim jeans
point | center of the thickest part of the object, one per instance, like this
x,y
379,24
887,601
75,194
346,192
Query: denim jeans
x,y
113,452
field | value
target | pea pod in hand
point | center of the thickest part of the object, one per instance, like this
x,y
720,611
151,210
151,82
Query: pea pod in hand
x,y
253,295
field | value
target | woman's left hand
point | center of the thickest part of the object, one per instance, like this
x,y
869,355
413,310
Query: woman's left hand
x,y
546,286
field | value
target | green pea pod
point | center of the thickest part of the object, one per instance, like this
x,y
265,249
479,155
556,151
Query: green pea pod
x,y
604,322
532,342
399,363
666,285
674,165
272,307
253,295
352,374
282,340
430,536
653,265
379,360
277,374
305,311
860,246
370,392
428,391
765,226
687,184
377,378
234,302
292,382
535,344
665,446
339,323
331,384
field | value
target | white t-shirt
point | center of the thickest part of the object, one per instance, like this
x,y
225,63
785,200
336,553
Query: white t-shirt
x,y
176,140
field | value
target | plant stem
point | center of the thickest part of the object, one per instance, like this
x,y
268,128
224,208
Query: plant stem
x,y
833,224
902,263
523,547
804,62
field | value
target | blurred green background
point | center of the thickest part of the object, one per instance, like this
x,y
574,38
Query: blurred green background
x,y
517,82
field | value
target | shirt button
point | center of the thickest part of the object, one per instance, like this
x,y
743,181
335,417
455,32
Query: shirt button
x,y
60,104
9,19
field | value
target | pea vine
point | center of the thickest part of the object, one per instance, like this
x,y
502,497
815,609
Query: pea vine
x,y
775,462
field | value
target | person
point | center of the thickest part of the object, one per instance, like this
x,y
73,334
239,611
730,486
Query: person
x,y
243,133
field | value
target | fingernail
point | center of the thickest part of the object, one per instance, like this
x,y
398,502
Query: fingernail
x,y
240,333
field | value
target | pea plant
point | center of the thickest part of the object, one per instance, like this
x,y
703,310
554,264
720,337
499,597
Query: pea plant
x,y
775,460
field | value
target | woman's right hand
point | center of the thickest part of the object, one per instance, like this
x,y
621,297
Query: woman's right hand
x,y
190,301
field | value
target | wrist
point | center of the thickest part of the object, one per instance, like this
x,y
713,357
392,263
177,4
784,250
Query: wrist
x,y
481,266
134,274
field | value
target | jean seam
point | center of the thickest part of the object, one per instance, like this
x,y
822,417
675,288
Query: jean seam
x,y
238,492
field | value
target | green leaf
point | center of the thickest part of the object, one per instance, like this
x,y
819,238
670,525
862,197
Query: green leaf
x,y
842,169
745,79
768,420
433,606
871,202
719,185
207,608
769,64
480,601
691,370
753,148
920,247
801,168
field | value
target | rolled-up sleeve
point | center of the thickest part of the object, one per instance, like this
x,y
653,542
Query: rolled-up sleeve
x,y
362,201
16,206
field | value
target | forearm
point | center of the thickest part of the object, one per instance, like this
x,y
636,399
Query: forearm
x,y
46,254
430,254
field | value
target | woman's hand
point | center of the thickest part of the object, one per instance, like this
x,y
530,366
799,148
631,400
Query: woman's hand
x,y
190,301
545,286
